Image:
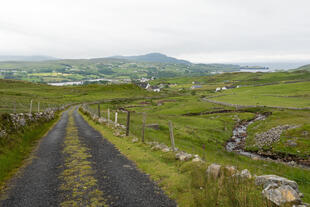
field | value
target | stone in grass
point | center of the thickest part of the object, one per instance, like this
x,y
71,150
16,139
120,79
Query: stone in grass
x,y
135,140
166,149
230,170
183,156
302,205
197,159
266,180
158,146
245,174
214,170
291,143
281,195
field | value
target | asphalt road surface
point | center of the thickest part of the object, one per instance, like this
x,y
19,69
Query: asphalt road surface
x,y
75,166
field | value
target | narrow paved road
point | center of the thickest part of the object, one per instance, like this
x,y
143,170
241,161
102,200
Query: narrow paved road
x,y
75,166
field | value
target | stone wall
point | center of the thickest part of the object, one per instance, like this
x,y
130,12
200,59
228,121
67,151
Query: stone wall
x,y
14,123
251,106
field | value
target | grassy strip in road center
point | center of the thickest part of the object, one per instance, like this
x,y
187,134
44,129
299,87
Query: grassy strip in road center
x,y
79,184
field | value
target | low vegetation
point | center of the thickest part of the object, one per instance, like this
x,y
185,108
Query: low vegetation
x,y
17,145
207,134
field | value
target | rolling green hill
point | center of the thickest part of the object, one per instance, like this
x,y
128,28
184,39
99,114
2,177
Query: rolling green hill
x,y
18,94
305,67
107,68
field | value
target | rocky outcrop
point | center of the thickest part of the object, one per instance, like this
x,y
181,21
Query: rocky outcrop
x,y
266,180
279,190
281,195
271,136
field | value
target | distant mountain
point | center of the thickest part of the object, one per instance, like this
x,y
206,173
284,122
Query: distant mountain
x,y
154,57
26,58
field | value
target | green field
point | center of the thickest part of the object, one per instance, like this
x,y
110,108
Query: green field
x,y
193,133
285,95
18,94
108,68
199,126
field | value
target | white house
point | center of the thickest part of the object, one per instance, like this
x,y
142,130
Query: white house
x,y
224,88
156,90
217,89
148,86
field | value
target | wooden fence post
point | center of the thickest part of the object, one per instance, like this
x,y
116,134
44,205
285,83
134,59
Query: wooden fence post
x,y
115,121
128,123
171,135
143,125
99,110
30,109
108,116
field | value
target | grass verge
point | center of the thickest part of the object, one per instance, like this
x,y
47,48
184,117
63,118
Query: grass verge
x,y
12,157
185,182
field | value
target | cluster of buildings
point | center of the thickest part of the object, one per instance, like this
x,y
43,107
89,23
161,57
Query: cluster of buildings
x,y
225,88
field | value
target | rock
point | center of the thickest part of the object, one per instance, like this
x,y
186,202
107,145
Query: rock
x,y
255,158
197,159
183,156
214,170
245,174
230,170
166,149
134,140
101,120
291,143
266,180
157,146
281,194
117,134
302,205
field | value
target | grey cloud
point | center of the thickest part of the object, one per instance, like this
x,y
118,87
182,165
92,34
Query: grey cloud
x,y
200,30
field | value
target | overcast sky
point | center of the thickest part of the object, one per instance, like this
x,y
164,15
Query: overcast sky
x,y
197,30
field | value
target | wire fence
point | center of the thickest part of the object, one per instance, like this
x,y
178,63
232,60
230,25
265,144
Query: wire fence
x,y
145,127
31,106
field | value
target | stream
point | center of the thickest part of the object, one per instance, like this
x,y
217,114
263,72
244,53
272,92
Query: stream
x,y
237,141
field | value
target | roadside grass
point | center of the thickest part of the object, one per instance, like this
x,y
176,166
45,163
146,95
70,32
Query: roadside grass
x,y
193,132
185,182
13,155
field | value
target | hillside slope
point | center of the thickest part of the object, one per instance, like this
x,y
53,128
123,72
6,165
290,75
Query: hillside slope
x,y
154,57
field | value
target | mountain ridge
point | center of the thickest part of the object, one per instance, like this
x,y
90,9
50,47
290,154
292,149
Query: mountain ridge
x,y
153,57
